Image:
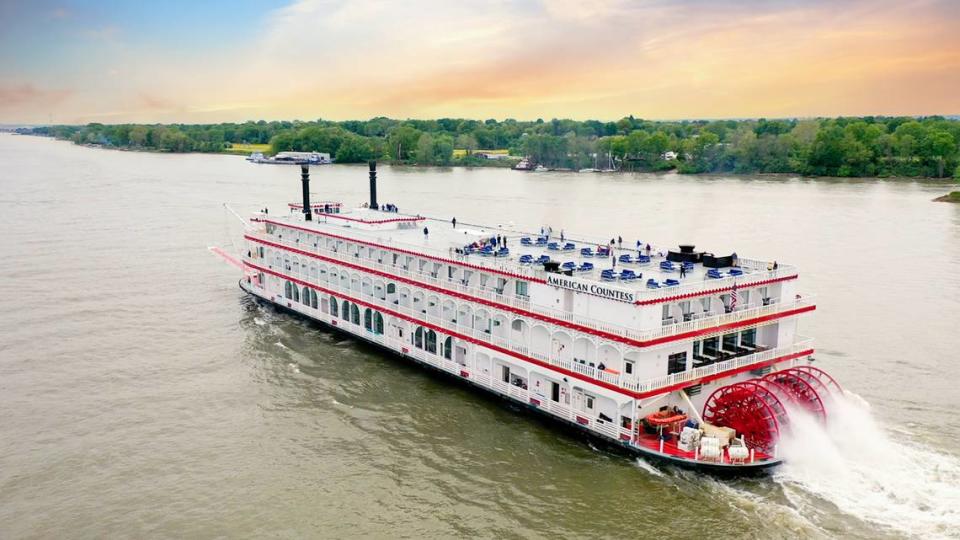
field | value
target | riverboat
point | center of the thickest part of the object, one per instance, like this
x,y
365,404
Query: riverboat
x,y
678,355
292,158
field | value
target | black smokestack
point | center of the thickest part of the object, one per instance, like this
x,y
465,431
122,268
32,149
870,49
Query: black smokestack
x,y
305,180
373,185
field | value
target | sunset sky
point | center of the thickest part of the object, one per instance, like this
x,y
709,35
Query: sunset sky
x,y
198,61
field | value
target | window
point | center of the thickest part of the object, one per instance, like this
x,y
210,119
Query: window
x,y
505,373
418,338
590,402
677,363
522,288
730,342
448,348
333,307
431,345
628,367
748,338
710,346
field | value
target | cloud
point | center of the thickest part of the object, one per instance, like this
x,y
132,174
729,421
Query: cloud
x,y
533,58
26,94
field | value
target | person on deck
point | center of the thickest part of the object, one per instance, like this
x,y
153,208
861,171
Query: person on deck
x,y
426,232
454,221
683,271
620,241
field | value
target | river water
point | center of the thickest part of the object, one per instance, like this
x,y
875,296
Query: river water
x,y
142,394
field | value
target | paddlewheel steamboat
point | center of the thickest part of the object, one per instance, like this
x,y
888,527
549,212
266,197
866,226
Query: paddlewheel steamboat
x,y
677,354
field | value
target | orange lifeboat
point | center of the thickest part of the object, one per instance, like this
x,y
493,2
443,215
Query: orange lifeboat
x,y
665,418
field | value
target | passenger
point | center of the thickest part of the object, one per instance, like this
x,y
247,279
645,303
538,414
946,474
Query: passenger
x,y
683,271
454,221
775,265
620,241
561,235
601,367
426,232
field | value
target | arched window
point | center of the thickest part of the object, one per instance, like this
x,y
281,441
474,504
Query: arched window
x,y
334,312
391,288
286,289
305,295
313,299
296,293
368,319
345,310
431,345
448,348
377,323
418,338
355,314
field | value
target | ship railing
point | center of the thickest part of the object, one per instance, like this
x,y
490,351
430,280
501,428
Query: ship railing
x,y
567,363
607,428
525,304
801,345
755,270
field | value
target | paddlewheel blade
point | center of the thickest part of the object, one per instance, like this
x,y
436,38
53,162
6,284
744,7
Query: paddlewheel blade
x,y
753,410
801,391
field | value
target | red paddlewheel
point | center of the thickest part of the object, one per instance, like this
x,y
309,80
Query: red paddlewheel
x,y
800,391
754,411
816,376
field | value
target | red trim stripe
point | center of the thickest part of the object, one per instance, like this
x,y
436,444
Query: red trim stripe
x,y
523,358
544,318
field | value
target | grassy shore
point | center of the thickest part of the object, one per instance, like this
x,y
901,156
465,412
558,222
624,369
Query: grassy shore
x,y
242,149
953,197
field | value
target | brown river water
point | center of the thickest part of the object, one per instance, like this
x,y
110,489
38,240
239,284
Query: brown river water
x,y
142,394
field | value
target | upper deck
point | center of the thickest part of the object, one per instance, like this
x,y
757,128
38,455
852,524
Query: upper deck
x,y
638,273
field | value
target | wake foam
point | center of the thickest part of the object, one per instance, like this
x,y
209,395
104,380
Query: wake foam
x,y
854,465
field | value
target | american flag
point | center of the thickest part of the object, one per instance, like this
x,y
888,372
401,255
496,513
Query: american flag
x,y
733,297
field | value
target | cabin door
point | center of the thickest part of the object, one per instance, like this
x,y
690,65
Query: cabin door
x,y
555,392
578,399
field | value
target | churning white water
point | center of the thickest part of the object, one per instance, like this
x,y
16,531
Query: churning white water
x,y
855,465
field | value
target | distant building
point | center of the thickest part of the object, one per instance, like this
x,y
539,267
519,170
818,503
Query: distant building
x,y
669,155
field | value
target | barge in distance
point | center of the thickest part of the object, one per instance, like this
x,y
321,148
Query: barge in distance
x,y
680,356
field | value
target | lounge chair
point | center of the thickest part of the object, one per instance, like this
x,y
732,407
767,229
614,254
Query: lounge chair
x,y
626,259
671,282
643,259
569,265
653,284
667,266
713,273
569,246
736,272
608,275
586,252
526,259
553,246
525,241
585,267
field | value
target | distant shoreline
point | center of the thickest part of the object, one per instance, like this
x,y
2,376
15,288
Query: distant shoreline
x,y
480,163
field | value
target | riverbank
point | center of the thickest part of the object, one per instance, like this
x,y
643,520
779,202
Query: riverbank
x,y
953,196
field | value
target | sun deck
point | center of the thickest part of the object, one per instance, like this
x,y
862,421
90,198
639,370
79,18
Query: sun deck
x,y
630,266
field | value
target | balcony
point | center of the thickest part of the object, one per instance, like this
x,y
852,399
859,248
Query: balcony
x,y
520,302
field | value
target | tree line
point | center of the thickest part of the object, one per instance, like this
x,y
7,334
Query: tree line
x,y
847,147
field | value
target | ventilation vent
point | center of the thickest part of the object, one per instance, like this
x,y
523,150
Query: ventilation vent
x,y
693,390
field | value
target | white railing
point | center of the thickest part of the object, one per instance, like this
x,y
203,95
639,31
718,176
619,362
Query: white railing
x,y
524,303
727,365
616,379
609,429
